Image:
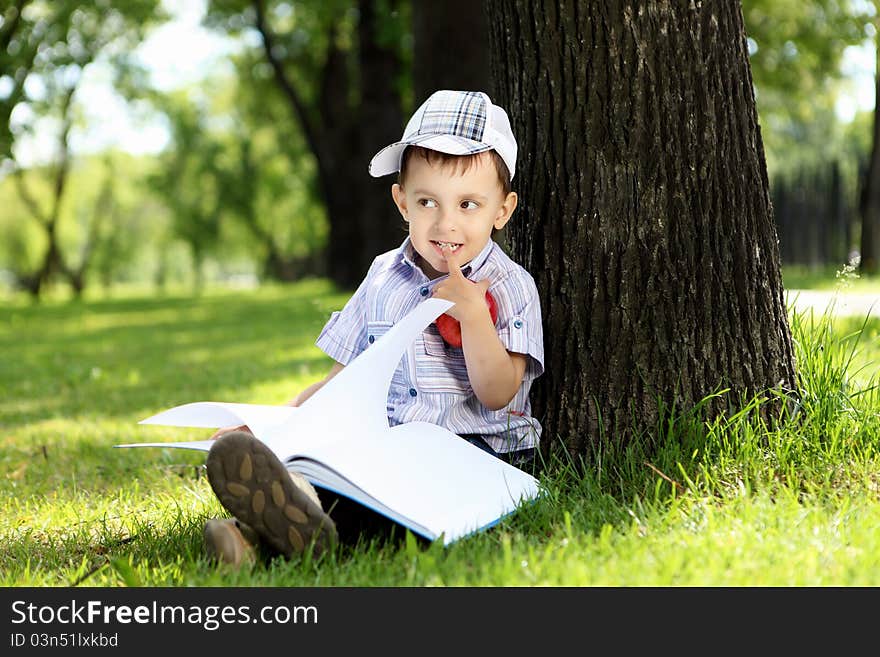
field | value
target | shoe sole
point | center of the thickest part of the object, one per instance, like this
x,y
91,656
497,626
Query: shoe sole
x,y
254,486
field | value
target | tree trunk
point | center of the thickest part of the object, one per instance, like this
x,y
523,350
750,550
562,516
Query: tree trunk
x,y
837,238
53,264
198,267
343,135
644,212
378,122
450,47
871,193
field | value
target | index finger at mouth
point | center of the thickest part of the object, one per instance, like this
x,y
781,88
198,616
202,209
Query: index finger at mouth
x,y
451,259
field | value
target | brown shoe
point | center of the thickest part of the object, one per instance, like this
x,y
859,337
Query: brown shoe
x,y
227,541
255,487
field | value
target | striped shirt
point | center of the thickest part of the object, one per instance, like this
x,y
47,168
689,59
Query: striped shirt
x,y
431,383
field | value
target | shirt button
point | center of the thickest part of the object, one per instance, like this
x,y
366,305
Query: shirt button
x,y
372,339
412,392
517,323
424,291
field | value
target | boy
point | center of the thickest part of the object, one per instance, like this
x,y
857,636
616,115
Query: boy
x,y
456,160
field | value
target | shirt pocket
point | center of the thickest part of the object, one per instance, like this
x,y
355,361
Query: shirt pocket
x,y
376,330
439,367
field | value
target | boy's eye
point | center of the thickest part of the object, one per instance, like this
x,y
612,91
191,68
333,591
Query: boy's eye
x,y
428,203
469,205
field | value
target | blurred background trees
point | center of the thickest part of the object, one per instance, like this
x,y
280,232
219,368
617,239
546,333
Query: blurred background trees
x,y
262,170
817,161
46,49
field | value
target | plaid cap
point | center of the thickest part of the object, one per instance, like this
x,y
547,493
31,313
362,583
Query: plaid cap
x,y
454,122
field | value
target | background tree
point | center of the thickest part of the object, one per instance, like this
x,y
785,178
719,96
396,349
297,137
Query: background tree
x,y
644,214
189,178
50,45
796,55
48,217
796,49
269,184
339,65
450,47
41,40
21,38
109,226
119,220
870,197
273,218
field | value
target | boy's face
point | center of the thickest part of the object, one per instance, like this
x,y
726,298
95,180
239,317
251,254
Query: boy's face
x,y
442,204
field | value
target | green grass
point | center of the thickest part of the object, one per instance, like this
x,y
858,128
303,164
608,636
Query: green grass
x,y
731,502
799,277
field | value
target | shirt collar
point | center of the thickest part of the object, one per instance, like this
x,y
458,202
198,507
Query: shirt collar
x,y
407,253
481,257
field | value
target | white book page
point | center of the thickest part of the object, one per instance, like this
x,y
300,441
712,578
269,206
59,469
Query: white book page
x,y
431,476
351,406
423,472
212,415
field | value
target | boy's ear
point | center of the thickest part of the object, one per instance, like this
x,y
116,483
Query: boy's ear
x,y
399,197
506,211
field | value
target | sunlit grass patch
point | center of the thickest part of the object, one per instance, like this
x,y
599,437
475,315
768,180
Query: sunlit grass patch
x,y
726,501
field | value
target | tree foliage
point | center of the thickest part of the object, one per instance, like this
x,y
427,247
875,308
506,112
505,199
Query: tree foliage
x,y
281,147
340,67
796,50
108,221
48,47
48,44
236,180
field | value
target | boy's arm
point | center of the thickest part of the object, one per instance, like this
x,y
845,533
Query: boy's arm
x,y
312,389
495,373
296,401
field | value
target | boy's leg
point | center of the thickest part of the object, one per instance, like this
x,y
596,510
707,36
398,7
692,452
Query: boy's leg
x,y
305,486
229,541
257,489
356,522
524,459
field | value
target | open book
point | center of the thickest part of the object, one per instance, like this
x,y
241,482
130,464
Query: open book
x,y
420,475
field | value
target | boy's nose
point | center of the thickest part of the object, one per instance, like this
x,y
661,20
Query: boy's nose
x,y
446,220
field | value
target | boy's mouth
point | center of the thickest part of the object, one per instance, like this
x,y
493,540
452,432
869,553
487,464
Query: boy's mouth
x,y
452,245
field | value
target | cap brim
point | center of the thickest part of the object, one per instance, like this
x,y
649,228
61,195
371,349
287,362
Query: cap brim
x,y
388,159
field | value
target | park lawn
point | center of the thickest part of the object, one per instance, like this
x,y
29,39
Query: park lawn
x,y
844,277
723,503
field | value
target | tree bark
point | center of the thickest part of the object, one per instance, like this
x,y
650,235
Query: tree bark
x,y
644,212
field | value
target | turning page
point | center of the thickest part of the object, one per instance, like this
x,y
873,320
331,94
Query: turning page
x,y
428,476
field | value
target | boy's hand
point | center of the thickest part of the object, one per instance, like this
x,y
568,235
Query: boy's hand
x,y
224,430
469,296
